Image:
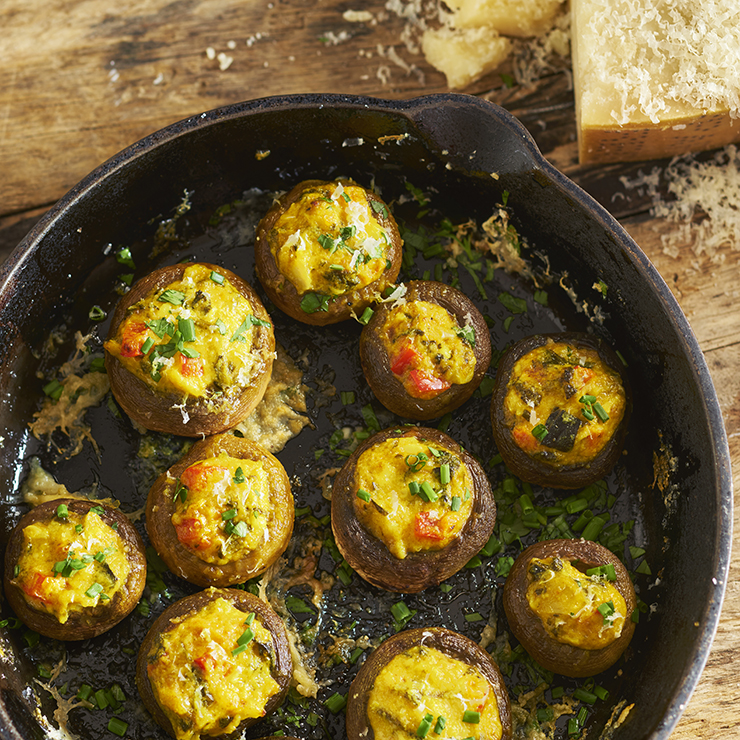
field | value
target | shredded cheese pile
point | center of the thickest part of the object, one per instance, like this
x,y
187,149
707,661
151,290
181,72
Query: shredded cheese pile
x,y
702,203
684,52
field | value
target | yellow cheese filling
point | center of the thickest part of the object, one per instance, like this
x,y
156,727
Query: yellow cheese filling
x,y
427,350
425,693
412,495
71,563
194,338
222,508
585,611
329,241
212,671
564,404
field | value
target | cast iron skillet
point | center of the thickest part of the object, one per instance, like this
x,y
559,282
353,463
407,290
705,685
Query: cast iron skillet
x,y
469,153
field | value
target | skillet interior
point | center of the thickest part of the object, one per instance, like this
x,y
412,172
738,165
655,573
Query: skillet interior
x,y
454,146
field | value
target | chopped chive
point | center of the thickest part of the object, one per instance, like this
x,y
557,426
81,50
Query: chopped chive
x,y
228,514
471,717
400,611
246,637
240,648
367,314
539,432
364,495
347,397
585,696
557,692
355,655
62,511
429,493
117,726
424,726
545,715
444,474
53,389
606,610
593,528
101,699
217,277
94,591
441,722
573,726
601,692
573,507
456,503
600,412
335,703
96,314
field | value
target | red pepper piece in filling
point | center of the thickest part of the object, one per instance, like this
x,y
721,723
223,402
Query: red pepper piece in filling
x,y
191,367
429,526
403,359
35,586
190,534
206,662
428,384
202,476
134,336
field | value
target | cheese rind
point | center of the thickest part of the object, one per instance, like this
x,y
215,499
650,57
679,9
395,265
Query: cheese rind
x,y
655,79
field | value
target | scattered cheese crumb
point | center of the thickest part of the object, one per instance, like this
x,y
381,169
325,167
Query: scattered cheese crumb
x,y
357,16
701,203
224,61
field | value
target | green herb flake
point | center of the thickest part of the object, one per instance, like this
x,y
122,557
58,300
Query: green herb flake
x,y
239,476
363,495
62,511
512,303
123,257
314,302
175,297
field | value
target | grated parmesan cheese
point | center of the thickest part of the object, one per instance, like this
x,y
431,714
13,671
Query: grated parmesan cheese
x,y
655,79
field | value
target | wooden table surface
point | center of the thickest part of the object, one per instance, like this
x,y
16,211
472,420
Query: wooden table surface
x,y
82,79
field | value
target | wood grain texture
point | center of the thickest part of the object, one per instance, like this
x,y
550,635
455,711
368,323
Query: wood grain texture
x,y
82,79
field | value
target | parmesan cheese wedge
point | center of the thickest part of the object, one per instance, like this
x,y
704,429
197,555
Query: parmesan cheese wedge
x,y
466,54
655,78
